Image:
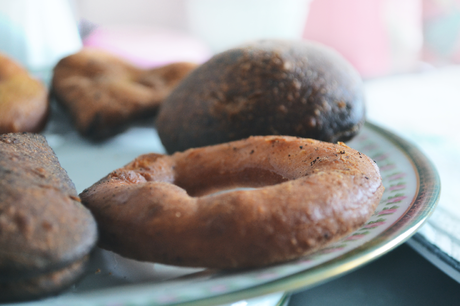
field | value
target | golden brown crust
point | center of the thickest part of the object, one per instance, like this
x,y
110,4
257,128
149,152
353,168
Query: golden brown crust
x,y
43,226
24,103
264,88
309,193
104,94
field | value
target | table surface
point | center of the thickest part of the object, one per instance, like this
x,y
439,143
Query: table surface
x,y
401,277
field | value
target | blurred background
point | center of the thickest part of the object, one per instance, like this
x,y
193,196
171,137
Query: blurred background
x,y
408,53
379,37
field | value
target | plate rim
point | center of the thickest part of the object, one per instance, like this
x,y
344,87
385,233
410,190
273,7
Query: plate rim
x,y
425,201
426,197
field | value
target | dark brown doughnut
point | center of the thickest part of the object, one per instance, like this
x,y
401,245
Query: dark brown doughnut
x,y
44,284
43,226
309,193
265,88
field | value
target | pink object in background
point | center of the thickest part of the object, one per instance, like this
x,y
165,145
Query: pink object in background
x,y
148,47
378,37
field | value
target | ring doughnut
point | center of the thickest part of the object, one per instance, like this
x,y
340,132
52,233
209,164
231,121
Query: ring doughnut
x,y
163,208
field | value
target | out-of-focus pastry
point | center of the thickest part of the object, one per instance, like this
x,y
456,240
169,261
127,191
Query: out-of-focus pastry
x,y
104,94
23,100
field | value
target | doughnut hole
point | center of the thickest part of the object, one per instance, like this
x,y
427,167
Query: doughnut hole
x,y
210,183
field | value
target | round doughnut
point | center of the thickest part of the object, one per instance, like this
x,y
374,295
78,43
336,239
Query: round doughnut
x,y
268,87
165,208
24,103
105,95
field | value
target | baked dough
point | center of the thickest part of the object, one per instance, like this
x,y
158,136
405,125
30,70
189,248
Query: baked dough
x,y
44,229
269,87
104,94
24,103
163,208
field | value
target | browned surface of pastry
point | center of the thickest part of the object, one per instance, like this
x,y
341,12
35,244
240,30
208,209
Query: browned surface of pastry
x,y
265,88
43,226
308,194
105,94
46,284
23,100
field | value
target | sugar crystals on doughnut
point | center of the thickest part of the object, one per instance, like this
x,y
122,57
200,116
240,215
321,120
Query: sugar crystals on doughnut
x,y
269,87
163,208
